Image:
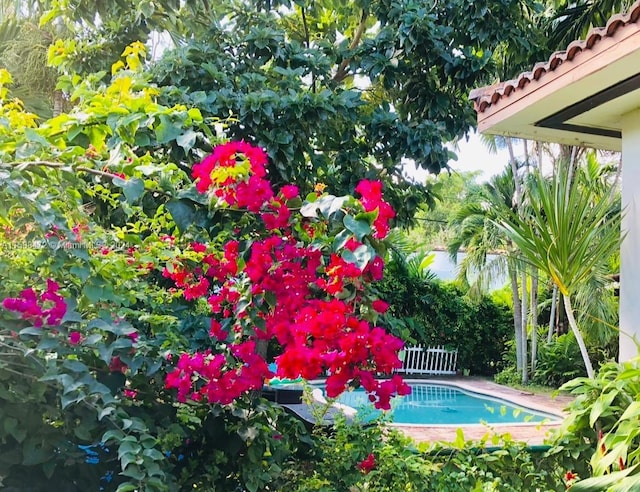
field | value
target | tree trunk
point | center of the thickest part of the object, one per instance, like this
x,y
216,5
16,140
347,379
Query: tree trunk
x,y
523,320
514,170
552,316
519,305
534,320
58,103
574,327
517,316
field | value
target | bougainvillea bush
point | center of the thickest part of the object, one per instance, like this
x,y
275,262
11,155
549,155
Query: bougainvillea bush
x,y
146,266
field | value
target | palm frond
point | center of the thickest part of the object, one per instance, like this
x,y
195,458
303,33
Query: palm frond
x,y
567,234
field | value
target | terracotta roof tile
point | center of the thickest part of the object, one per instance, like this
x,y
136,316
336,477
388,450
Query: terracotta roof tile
x,y
484,97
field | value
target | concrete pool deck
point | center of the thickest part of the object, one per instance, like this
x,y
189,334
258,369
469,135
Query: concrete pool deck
x,y
532,434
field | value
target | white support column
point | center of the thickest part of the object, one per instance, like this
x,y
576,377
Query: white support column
x,y
630,249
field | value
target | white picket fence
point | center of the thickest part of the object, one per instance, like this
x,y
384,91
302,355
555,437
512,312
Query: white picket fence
x,y
429,360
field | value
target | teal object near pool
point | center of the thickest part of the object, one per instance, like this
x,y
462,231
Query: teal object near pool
x,y
438,404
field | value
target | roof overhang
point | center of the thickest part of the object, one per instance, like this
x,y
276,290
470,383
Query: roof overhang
x,y
577,98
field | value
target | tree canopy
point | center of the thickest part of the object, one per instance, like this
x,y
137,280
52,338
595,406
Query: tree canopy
x,y
334,92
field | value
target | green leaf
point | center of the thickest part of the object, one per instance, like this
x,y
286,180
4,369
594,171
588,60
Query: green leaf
x,y
184,214
75,366
632,411
92,339
97,290
614,479
330,204
72,316
360,257
127,487
167,131
341,239
459,442
69,399
132,188
82,433
116,435
186,140
48,343
327,204
601,405
35,452
105,412
31,331
153,367
82,272
115,381
359,227
309,210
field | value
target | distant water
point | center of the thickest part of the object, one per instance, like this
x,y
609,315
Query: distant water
x,y
445,269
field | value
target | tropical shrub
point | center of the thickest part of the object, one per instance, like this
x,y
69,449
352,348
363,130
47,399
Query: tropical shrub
x,y
377,458
438,313
600,438
559,362
138,305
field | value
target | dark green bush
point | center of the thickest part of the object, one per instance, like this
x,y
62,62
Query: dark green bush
x,y
559,362
431,312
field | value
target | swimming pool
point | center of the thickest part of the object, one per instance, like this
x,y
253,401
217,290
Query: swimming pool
x,y
439,404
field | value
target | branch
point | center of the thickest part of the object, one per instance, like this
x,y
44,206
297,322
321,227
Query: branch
x,y
97,172
343,69
307,42
306,28
60,165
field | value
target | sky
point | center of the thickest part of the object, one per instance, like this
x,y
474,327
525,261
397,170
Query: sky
x,y
472,156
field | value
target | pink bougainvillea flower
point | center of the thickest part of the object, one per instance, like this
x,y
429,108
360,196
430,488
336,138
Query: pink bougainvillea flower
x,y
47,308
198,247
375,269
285,286
380,306
216,331
371,200
75,337
116,365
129,393
289,192
367,464
225,174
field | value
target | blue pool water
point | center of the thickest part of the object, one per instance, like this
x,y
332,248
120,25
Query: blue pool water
x,y
441,404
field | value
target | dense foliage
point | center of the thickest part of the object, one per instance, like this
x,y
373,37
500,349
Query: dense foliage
x,y
333,91
558,362
432,313
376,458
599,438
138,305
138,302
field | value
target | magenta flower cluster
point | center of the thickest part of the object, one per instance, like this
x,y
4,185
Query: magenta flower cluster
x,y
47,308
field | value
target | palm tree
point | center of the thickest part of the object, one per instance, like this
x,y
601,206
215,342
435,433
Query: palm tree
x,y
573,19
568,235
476,230
24,51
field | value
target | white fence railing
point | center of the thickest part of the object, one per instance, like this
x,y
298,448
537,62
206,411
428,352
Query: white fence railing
x,y
429,360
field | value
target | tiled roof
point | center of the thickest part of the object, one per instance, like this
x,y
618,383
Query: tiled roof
x,y
484,97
